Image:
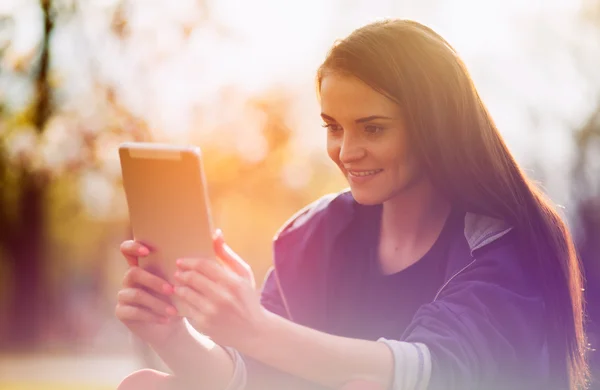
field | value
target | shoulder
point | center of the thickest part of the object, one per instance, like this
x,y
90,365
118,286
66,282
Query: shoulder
x,y
490,252
338,204
492,240
502,264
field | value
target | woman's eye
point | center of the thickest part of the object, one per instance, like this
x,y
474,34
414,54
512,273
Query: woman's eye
x,y
332,127
373,129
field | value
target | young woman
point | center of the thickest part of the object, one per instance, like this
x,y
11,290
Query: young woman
x,y
443,267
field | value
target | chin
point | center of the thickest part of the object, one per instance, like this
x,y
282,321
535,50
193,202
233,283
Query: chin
x,y
367,198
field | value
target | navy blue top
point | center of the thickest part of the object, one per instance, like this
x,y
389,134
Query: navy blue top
x,y
365,303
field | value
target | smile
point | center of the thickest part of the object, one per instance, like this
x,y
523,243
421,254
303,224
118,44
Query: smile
x,y
364,173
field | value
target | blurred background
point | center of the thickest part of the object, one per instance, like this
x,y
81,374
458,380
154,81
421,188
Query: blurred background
x,y
78,77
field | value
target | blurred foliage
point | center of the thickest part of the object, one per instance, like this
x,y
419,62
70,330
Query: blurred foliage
x,y
84,216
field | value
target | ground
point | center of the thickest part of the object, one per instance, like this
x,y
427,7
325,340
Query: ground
x,y
64,372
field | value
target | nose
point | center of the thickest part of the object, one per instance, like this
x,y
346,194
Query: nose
x,y
351,149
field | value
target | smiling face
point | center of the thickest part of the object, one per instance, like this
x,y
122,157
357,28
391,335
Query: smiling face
x,y
367,139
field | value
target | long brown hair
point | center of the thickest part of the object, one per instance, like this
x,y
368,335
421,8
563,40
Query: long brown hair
x,y
465,157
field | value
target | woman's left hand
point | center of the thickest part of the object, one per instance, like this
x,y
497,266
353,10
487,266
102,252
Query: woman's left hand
x,y
221,301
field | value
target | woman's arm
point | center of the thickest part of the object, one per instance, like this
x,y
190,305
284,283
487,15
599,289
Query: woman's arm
x,y
407,354
223,303
227,307
198,362
319,357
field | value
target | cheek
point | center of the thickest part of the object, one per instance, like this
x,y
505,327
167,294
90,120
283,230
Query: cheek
x,y
398,156
333,149
409,166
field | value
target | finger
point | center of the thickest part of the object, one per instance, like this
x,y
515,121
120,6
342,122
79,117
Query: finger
x,y
131,250
194,316
211,269
141,298
134,313
204,286
230,258
137,276
197,301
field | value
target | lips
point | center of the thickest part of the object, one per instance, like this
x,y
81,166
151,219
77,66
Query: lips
x,y
363,173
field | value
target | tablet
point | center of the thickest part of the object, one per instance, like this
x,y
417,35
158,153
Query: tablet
x,y
168,203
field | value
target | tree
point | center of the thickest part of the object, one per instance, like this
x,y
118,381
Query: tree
x,y
26,182
22,235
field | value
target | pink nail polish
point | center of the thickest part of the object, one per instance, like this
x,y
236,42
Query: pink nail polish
x,y
168,289
171,310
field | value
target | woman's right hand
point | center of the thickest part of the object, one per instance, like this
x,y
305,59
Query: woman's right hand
x,y
143,303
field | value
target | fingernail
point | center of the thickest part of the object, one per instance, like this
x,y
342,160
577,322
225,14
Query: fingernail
x,y
143,251
168,289
179,262
171,310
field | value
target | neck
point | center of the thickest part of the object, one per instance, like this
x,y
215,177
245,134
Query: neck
x,y
412,220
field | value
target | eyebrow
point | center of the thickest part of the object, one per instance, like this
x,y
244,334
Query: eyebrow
x,y
359,120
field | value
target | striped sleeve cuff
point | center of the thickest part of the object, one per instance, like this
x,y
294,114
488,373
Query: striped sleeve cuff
x,y
238,381
412,365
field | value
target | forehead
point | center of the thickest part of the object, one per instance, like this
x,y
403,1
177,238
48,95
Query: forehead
x,y
347,97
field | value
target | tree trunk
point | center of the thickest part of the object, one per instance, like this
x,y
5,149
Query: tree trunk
x,y
26,252
25,247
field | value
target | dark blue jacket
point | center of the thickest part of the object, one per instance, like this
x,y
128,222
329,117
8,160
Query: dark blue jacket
x,y
484,330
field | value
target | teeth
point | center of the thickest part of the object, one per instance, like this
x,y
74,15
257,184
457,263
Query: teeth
x,y
365,173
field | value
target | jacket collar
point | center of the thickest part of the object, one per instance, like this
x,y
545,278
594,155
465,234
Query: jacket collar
x,y
303,249
337,211
481,230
